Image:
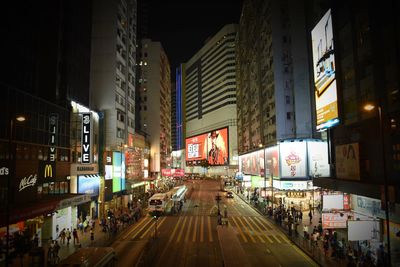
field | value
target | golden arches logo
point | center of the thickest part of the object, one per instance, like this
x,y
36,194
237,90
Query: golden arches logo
x,y
48,171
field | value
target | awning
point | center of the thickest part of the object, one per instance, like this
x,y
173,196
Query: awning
x,y
44,206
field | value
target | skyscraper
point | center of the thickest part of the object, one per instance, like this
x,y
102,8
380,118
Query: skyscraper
x,y
210,89
154,86
113,60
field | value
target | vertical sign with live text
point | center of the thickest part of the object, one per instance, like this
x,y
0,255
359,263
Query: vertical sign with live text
x,y
53,123
86,140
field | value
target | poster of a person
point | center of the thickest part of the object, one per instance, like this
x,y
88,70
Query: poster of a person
x,y
216,146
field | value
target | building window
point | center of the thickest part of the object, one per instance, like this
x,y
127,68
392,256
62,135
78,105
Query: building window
x,y
120,133
288,115
287,99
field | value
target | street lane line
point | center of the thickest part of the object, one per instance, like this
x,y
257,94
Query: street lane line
x,y
181,231
239,229
141,229
195,229
152,227
246,230
252,229
175,228
136,226
189,228
261,230
263,225
209,230
201,229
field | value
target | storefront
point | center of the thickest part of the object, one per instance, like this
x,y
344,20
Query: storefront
x,y
85,179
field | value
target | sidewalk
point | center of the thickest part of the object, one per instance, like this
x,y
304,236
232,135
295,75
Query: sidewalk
x,y
316,252
101,239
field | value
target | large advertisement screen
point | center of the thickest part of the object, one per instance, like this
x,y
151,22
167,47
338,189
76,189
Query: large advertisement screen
x,y
212,146
88,184
324,73
293,159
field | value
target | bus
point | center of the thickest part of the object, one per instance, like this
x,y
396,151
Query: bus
x,y
91,256
178,193
158,202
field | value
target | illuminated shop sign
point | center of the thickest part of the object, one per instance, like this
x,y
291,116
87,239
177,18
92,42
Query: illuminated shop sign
x,y
47,169
86,140
324,73
118,170
53,123
212,146
27,181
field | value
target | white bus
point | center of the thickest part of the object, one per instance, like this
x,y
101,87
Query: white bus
x,y
91,256
158,202
179,192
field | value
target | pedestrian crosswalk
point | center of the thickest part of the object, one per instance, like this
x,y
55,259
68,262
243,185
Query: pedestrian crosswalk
x,y
202,229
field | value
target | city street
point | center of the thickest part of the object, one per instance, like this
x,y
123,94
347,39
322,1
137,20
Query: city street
x,y
192,238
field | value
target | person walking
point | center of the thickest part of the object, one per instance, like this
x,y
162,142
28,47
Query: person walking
x,y
91,235
62,236
68,235
75,236
310,215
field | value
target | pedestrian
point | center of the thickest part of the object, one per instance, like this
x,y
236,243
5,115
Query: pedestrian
x,y
56,248
301,215
91,235
75,236
310,215
62,236
326,247
68,235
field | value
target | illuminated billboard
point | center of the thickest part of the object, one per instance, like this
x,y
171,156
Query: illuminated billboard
x,y
293,159
272,162
318,164
118,175
212,146
252,163
324,73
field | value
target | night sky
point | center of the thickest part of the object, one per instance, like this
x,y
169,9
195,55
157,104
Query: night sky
x,y
183,26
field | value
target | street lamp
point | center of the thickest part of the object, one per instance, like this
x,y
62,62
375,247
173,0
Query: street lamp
x,y
13,119
369,107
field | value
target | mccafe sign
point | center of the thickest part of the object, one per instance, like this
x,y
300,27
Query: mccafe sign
x,y
27,181
86,140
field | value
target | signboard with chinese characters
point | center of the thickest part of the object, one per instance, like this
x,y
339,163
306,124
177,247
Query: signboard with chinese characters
x,y
86,138
335,220
293,161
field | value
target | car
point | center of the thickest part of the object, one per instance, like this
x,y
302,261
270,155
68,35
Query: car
x,y
229,194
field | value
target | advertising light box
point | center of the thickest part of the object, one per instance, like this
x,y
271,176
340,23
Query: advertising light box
x,y
363,230
335,220
332,202
88,184
293,159
318,159
272,161
324,73
118,172
212,146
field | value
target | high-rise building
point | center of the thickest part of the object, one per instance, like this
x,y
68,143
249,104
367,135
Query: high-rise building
x,y
154,86
112,76
210,102
357,44
273,93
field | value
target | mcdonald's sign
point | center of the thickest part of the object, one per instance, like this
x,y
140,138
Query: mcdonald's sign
x,y
48,171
